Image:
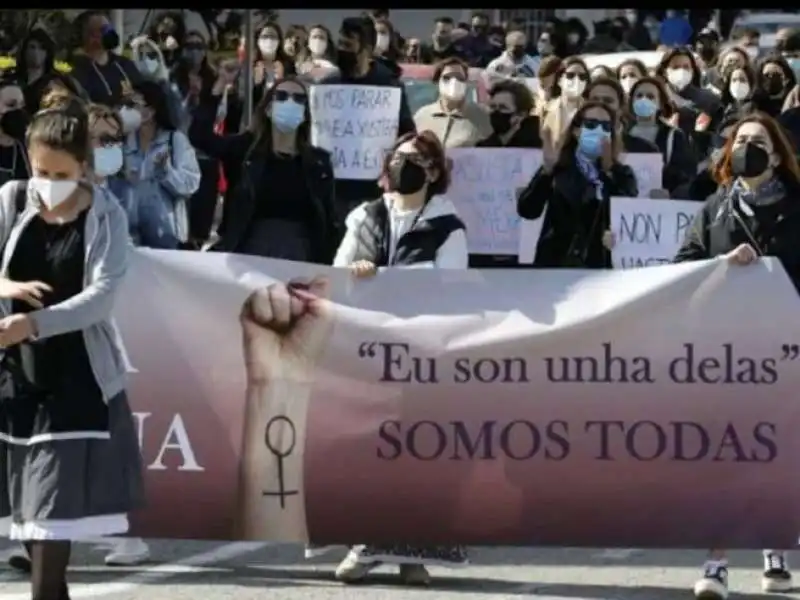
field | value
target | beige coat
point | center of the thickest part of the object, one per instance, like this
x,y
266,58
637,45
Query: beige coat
x,y
462,128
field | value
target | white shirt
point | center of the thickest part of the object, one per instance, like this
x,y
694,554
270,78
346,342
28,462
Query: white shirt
x,y
504,66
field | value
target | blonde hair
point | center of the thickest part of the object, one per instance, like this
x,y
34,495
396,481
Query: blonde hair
x,y
144,45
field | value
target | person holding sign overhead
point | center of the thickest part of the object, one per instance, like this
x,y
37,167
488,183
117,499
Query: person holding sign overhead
x,y
576,185
754,213
357,67
283,204
457,122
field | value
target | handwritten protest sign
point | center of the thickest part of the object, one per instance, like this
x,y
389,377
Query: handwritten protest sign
x,y
484,187
648,232
648,168
357,124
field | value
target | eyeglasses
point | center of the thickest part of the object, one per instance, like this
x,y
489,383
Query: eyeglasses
x,y
573,74
283,96
595,123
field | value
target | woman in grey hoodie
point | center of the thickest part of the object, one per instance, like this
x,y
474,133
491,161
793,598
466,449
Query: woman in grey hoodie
x,y
70,467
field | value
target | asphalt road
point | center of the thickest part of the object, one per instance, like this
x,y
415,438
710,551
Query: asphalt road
x,y
241,571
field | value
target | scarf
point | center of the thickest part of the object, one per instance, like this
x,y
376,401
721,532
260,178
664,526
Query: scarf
x,y
588,168
743,199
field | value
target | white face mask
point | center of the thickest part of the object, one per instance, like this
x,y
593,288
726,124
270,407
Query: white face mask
x,y
52,192
752,52
317,46
573,38
131,119
572,88
267,46
452,88
739,89
382,42
627,83
679,78
108,160
149,66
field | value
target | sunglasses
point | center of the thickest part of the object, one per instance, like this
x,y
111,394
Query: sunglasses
x,y
572,75
595,123
283,96
415,158
195,47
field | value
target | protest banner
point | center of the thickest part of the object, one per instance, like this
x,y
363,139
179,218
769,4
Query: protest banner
x,y
648,168
484,185
649,232
357,124
569,408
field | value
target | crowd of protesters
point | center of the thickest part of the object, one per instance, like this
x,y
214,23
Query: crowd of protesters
x,y
142,149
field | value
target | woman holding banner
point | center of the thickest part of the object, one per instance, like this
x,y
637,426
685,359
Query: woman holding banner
x,y
576,185
411,225
754,213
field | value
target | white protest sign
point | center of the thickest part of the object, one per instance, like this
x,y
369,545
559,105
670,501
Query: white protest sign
x,y
357,124
648,168
649,232
484,185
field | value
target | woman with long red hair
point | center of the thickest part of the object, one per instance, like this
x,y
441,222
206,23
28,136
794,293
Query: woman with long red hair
x,y
755,212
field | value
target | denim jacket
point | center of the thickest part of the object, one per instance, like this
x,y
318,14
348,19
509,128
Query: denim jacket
x,y
156,194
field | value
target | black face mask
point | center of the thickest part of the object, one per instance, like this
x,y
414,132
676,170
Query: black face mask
x,y
110,39
347,61
707,53
442,40
749,161
406,177
479,30
14,123
517,52
501,122
773,84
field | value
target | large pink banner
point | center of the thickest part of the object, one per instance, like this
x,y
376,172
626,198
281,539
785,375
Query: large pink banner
x,y
646,408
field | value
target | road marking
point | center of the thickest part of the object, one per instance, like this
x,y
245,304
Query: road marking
x,y
155,573
617,553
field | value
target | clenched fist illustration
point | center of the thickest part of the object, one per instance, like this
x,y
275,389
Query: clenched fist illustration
x,y
285,332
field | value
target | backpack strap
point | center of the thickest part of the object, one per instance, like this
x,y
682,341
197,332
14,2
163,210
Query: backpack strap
x,y
21,197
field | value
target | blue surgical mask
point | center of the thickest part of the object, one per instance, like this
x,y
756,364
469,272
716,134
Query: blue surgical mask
x,y
287,115
644,107
108,160
590,141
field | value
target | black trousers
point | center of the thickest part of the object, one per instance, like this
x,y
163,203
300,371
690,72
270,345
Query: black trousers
x,y
203,204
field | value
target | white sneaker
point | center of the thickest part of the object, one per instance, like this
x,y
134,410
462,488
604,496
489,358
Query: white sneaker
x,y
714,584
128,552
777,577
350,570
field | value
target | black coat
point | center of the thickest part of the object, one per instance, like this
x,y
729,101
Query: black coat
x,y
721,226
237,156
575,221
